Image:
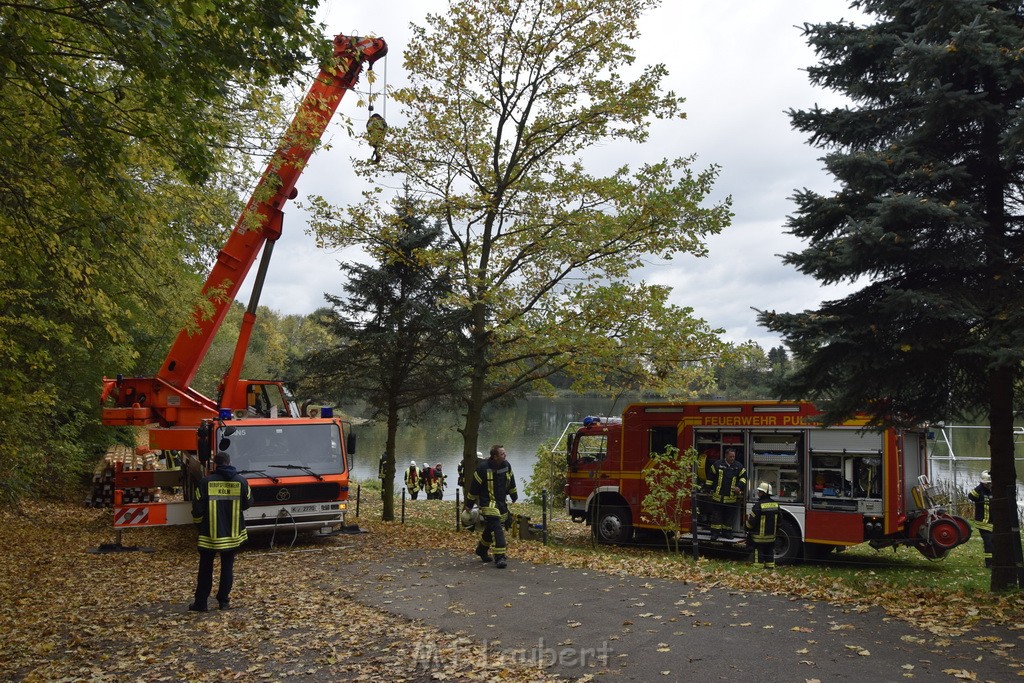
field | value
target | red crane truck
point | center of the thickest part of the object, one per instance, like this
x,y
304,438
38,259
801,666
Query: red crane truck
x,y
297,466
838,485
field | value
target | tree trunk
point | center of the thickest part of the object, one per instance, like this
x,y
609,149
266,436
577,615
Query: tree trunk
x,y
1006,547
475,401
387,486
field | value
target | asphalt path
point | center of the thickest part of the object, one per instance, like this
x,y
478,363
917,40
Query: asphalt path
x,y
618,627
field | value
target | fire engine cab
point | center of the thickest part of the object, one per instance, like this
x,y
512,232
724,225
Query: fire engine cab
x,y
838,485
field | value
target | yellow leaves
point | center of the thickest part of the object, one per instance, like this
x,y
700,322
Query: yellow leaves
x,y
961,674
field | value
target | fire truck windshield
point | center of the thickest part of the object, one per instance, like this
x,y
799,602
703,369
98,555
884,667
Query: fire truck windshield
x,y
306,447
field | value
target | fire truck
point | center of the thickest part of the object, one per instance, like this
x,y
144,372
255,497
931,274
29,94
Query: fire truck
x,y
838,485
297,465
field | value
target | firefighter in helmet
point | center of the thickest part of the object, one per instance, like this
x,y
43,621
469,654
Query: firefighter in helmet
x,y
762,524
412,480
981,496
491,484
440,482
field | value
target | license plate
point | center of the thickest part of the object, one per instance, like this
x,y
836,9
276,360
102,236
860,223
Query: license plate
x,y
322,507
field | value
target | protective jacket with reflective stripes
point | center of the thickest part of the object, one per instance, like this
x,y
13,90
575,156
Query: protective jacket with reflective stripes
x,y
982,499
217,505
724,478
489,488
763,521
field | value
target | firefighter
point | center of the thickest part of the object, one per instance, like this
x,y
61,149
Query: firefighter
x,y
762,523
728,480
461,473
427,481
491,483
217,505
981,496
704,463
439,482
412,480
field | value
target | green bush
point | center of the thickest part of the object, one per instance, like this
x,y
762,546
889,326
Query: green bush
x,y
548,474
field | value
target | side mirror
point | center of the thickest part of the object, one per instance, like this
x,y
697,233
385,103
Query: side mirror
x,y
350,444
203,443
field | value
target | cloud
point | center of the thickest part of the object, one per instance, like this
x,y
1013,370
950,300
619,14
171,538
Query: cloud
x,y
739,64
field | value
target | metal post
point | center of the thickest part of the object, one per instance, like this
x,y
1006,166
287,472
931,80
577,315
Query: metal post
x,y
403,505
359,489
457,509
544,515
693,512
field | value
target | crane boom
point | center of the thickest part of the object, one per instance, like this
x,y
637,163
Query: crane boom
x,y
260,221
167,398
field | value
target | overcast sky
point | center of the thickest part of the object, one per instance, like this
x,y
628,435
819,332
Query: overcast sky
x,y
739,64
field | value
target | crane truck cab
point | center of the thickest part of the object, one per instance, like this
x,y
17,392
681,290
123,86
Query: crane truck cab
x,y
298,468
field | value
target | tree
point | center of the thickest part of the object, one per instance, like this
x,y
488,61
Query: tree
x,y
400,339
669,479
506,99
122,128
930,161
743,372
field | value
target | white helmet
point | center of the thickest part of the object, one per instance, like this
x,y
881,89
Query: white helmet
x,y
470,519
986,477
765,487
412,463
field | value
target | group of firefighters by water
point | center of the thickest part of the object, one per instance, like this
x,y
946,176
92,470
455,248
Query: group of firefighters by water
x,y
432,481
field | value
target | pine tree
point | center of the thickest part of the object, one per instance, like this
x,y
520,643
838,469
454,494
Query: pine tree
x,y
930,163
399,338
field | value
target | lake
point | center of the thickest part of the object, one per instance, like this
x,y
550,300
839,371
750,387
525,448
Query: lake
x,y
521,428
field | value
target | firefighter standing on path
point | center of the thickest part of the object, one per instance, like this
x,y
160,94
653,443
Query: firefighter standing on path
x,y
728,480
762,523
981,496
217,505
412,480
492,482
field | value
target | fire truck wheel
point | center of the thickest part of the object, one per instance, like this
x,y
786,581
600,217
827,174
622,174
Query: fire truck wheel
x,y
613,525
788,545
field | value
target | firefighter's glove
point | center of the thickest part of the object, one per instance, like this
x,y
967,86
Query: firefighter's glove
x,y
507,521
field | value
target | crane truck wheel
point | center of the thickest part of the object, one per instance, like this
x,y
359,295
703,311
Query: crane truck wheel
x,y
613,525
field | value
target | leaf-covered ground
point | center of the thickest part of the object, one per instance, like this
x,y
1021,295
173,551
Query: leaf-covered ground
x,y
70,614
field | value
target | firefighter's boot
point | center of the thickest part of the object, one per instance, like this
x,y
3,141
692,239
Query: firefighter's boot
x,y
481,550
500,563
